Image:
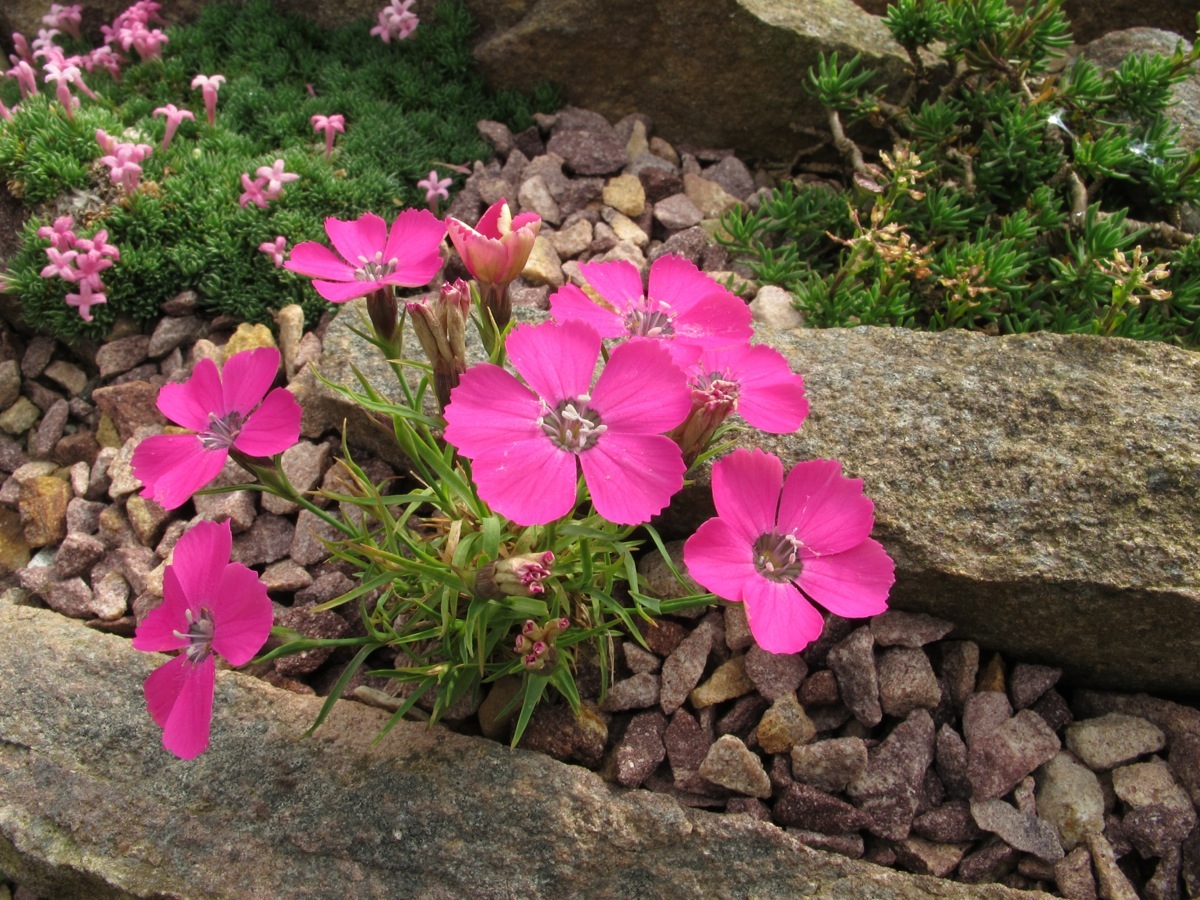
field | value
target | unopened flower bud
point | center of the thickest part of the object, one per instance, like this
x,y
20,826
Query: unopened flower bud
x,y
517,576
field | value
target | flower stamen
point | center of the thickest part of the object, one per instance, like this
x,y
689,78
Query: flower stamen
x,y
375,269
777,557
571,425
651,318
199,636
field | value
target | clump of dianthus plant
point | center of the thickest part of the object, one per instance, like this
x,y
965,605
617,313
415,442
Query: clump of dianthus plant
x,y
1017,190
190,148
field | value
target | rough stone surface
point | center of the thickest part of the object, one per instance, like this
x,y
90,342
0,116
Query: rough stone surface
x,y
830,765
1001,758
732,765
889,789
1110,740
1070,797
853,662
1017,829
734,44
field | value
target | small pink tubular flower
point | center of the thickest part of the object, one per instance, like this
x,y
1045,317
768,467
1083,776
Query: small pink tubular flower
x,y
681,306
275,178
229,410
779,546
274,249
435,187
210,605
26,78
85,298
62,264
124,162
328,125
253,192
497,248
209,85
104,57
525,439
174,117
61,234
369,256
396,20
66,18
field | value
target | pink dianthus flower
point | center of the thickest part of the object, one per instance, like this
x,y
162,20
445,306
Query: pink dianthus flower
x,y
227,411
210,605
681,305
370,256
527,441
755,381
779,546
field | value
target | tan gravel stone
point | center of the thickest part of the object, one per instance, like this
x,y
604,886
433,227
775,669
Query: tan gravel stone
x,y
248,337
20,417
543,265
44,510
727,682
732,765
625,194
784,726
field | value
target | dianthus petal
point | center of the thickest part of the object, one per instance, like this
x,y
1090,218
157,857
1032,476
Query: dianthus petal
x,y
187,727
415,242
555,359
242,614
247,377
490,410
199,562
361,237
341,291
853,583
632,477
318,261
826,511
618,282
174,466
716,319
162,688
720,559
745,488
530,481
191,403
570,303
641,389
156,631
677,282
770,395
273,427
780,619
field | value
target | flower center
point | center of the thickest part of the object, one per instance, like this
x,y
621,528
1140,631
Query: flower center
x,y
375,269
221,431
199,636
777,557
716,391
571,425
651,318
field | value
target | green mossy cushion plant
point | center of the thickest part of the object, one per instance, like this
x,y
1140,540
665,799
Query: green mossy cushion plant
x,y
409,106
1016,194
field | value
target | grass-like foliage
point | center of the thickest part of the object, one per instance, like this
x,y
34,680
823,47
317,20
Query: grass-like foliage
x,y
408,105
1016,194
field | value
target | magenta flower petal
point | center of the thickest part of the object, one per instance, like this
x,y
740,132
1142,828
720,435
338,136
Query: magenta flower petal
x,y
781,620
199,562
318,261
163,687
719,559
618,282
745,489
632,477
273,427
174,466
415,241
623,396
341,291
530,481
770,395
827,511
192,403
715,321
186,730
158,630
490,410
361,237
570,303
853,583
242,614
556,360
489,223
246,378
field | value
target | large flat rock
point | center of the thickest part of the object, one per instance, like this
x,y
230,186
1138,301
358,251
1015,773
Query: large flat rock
x,y
94,808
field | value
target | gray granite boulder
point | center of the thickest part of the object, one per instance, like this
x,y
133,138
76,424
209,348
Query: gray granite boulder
x,y
93,807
